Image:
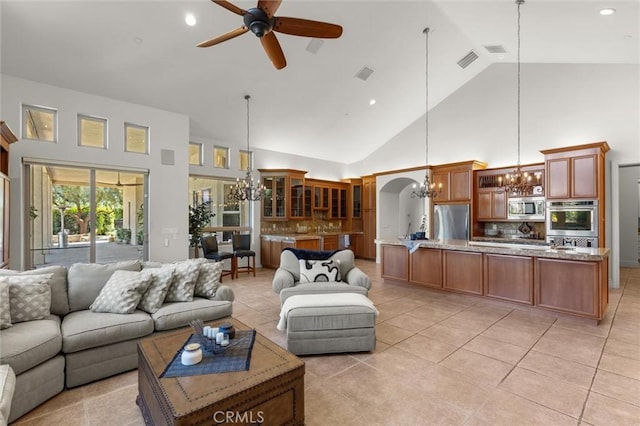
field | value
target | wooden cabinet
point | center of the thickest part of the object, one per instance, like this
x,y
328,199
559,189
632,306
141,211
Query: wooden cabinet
x,y
338,202
272,246
509,277
320,197
585,293
462,271
369,217
330,242
287,195
6,139
455,180
300,196
395,262
575,172
425,267
274,202
491,204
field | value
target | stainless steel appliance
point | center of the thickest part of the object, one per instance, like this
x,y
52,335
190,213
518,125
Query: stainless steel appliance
x,y
529,208
451,222
572,223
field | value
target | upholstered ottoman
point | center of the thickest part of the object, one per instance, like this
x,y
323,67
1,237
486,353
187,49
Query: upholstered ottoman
x,y
329,323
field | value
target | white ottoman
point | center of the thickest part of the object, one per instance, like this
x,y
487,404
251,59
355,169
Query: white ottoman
x,y
329,323
7,387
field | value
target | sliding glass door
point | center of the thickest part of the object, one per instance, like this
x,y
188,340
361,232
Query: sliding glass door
x,y
84,214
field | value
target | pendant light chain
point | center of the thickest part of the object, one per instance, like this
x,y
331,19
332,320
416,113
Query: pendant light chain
x,y
519,3
247,97
428,189
426,115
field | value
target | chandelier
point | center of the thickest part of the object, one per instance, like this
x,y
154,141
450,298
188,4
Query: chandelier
x,y
518,182
247,189
427,189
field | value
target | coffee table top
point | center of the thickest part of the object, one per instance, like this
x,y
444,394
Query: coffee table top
x,y
185,394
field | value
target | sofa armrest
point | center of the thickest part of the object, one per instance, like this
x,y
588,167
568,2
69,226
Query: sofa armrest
x,y
356,277
282,279
224,293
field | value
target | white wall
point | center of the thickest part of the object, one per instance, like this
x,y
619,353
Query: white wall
x,y
168,195
561,105
629,212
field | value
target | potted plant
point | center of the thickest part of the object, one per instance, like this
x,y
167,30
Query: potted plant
x,y
199,216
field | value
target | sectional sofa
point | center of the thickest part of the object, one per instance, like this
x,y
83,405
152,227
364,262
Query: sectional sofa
x,y
97,313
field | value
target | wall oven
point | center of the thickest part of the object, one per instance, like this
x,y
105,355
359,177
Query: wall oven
x,y
572,223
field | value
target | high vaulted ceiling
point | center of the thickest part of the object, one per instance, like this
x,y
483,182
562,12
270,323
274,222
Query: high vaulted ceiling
x,y
143,52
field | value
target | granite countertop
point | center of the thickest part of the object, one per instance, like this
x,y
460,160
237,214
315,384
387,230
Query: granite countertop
x,y
308,236
524,249
512,240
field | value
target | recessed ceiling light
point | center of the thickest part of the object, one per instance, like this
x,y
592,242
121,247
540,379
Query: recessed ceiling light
x,y
190,19
607,11
372,102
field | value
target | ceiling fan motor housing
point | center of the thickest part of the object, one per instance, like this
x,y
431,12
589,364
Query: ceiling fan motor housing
x,y
258,22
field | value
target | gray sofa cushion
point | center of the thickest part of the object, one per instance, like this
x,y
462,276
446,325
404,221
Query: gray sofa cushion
x,y
59,297
86,329
178,314
331,318
85,280
27,344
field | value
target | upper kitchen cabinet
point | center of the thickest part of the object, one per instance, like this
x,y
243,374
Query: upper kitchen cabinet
x,y
354,203
286,195
368,249
300,196
455,180
575,171
338,202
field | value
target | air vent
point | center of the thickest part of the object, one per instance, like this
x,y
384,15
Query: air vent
x,y
468,59
314,45
495,48
364,73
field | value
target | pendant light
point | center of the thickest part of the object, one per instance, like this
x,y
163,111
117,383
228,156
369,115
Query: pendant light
x,y
427,189
247,189
518,182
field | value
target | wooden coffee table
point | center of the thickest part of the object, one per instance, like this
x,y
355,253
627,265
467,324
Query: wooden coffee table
x,y
271,392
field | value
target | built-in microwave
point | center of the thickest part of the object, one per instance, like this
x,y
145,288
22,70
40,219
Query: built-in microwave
x,y
526,208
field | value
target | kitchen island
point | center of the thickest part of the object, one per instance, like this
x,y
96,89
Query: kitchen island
x,y
271,245
570,280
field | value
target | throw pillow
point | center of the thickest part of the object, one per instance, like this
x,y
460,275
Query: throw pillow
x,y
153,298
5,314
85,280
29,297
122,292
59,297
319,271
184,281
208,279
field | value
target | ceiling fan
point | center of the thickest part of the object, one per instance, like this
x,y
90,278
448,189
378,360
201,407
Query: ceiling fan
x,y
120,184
263,24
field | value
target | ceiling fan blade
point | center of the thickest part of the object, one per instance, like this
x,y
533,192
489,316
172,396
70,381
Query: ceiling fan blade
x,y
274,51
306,28
269,6
224,37
230,7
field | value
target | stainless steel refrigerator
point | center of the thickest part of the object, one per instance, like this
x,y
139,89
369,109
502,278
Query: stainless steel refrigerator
x,y
451,222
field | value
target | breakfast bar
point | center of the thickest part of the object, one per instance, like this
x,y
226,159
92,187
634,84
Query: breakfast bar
x,y
569,280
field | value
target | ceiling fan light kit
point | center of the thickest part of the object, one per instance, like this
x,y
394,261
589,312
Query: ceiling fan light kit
x,y
261,22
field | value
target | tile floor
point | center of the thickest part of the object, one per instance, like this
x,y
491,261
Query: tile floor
x,y
441,359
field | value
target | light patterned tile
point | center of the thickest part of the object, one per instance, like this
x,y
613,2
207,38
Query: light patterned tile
x,y
602,410
481,369
496,349
427,348
546,391
623,366
571,345
617,387
453,336
551,366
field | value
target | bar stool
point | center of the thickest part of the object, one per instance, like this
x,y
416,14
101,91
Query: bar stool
x,y
242,248
210,249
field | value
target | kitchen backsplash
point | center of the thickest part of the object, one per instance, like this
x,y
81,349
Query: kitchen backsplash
x,y
511,229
